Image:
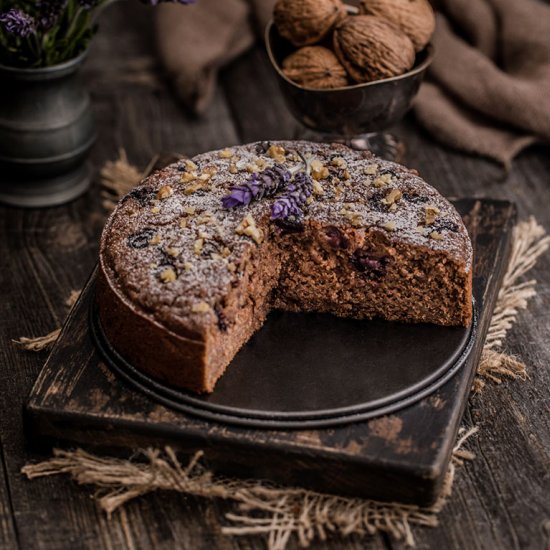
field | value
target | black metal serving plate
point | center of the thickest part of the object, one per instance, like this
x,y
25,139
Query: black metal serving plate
x,y
315,370
361,408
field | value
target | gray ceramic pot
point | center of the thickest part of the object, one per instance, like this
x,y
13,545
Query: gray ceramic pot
x,y
46,131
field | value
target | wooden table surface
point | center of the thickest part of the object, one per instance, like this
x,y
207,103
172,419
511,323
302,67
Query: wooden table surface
x,y
500,500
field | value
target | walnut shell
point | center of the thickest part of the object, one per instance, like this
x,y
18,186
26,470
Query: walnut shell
x,y
305,22
315,67
371,48
414,17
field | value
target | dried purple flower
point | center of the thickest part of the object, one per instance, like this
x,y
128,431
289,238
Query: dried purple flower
x,y
259,185
49,12
291,203
17,22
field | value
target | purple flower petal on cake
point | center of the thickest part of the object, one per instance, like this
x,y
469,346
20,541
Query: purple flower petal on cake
x,y
291,202
258,186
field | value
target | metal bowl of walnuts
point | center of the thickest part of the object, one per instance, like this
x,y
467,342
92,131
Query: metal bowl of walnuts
x,y
347,73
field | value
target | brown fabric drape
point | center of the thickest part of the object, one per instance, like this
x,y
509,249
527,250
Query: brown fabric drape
x,y
487,91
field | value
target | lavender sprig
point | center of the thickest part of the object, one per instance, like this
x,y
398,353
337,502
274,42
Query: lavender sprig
x,y
291,203
49,12
42,33
17,23
258,186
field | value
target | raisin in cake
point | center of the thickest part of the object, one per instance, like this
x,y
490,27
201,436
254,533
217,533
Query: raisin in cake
x,y
193,260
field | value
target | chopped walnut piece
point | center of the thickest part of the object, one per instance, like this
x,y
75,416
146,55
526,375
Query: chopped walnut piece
x,y
248,227
155,239
346,174
318,170
189,210
317,188
420,228
202,234
190,165
261,163
389,226
309,200
393,196
194,188
431,214
233,168
164,192
155,210
382,180
211,170
187,266
183,223
276,152
206,218
339,162
168,275
226,252
316,164
437,236
197,246
226,154
200,307
187,177
371,169
231,267
172,251
353,217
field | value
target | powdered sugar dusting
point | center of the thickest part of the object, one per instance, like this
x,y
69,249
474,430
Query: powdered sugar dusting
x,y
170,245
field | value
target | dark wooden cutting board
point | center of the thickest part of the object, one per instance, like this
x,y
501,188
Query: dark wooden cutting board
x,y
402,456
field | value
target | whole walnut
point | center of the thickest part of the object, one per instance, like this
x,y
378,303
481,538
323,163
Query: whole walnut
x,y
315,67
372,48
414,17
305,22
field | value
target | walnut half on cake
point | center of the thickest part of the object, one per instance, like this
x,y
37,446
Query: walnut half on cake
x,y
193,260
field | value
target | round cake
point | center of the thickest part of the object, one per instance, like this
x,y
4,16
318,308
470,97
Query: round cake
x,y
192,260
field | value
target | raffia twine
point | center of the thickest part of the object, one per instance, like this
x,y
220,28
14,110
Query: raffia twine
x,y
281,512
285,510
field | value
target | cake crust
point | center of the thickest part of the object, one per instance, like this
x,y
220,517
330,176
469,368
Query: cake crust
x,y
184,282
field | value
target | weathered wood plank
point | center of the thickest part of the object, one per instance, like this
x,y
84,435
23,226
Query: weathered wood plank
x,y
8,536
46,253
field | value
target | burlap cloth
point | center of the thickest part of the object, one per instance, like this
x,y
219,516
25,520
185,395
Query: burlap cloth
x,y
486,92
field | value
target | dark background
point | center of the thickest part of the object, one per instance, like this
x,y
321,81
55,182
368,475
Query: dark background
x,y
500,500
